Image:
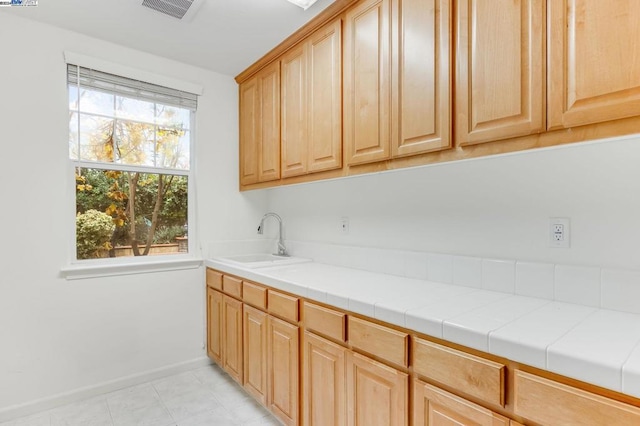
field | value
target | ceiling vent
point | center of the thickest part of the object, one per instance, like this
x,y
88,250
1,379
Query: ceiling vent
x,y
175,8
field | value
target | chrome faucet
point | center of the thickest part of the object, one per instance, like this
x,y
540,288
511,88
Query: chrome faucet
x,y
282,250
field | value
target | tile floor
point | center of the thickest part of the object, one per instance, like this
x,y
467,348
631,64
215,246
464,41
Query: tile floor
x,y
202,397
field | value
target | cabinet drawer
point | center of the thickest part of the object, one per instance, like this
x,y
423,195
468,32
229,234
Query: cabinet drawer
x,y
325,321
283,306
232,286
547,402
254,294
473,375
379,341
214,279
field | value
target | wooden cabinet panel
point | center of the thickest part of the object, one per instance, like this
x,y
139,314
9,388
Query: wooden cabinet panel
x,y
422,76
473,375
551,403
260,126
594,73
269,148
283,354
232,360
214,325
500,70
324,368
376,393
380,341
324,321
325,98
255,352
250,122
435,407
283,306
232,286
254,294
367,90
294,111
214,279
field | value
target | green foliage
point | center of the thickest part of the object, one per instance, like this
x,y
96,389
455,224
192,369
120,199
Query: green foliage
x,y
93,233
168,234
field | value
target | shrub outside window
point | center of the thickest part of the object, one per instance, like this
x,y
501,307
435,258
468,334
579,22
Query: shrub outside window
x,y
130,147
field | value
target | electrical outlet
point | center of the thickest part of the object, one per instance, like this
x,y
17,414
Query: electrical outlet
x,y
559,232
344,225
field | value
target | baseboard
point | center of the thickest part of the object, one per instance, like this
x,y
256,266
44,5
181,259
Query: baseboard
x,y
48,403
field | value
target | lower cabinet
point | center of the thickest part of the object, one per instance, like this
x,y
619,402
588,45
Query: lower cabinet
x,y
435,407
255,335
232,360
214,325
283,366
324,382
377,395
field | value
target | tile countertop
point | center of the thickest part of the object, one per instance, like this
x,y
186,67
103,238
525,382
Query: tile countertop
x,y
594,345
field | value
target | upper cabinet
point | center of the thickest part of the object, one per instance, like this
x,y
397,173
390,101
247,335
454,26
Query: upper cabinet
x,y
421,118
312,103
372,85
367,82
260,126
594,71
500,69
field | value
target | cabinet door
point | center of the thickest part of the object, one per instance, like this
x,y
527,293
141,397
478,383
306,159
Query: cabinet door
x,y
325,98
214,325
422,76
594,72
232,337
434,407
294,111
249,131
377,395
324,382
255,352
367,94
500,70
260,126
283,365
269,123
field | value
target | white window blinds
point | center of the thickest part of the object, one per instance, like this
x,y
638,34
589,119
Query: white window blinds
x,y
109,83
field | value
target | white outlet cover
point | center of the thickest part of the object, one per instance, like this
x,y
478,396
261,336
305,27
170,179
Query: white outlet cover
x,y
559,232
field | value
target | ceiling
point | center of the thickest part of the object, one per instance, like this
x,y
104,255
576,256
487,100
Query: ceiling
x,y
225,36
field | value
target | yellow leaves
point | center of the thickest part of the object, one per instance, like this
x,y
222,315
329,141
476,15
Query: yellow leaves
x,y
80,179
117,215
118,222
112,174
111,209
107,246
83,188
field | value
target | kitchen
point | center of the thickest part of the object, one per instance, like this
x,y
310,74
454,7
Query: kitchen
x,y
67,339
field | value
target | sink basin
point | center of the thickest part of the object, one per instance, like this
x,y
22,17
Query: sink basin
x,y
260,260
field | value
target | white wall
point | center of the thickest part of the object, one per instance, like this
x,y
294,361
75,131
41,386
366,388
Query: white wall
x,y
58,336
490,207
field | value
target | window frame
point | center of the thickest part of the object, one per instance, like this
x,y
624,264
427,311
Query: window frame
x,y
89,268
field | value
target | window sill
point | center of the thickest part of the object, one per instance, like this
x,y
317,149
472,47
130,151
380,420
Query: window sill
x,y
109,269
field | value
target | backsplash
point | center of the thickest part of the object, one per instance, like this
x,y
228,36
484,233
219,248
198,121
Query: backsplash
x,y
615,289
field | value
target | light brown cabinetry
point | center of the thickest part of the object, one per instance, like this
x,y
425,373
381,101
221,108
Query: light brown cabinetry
x,y
367,82
255,336
312,104
260,126
377,395
548,402
283,351
435,407
594,72
421,113
500,68
324,382
214,325
232,360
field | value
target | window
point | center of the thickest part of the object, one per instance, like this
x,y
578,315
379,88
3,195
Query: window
x,y
130,145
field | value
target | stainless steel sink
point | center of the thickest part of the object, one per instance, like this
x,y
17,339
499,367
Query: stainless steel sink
x,y
260,260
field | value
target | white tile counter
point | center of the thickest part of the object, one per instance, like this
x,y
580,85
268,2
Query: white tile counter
x,y
594,345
